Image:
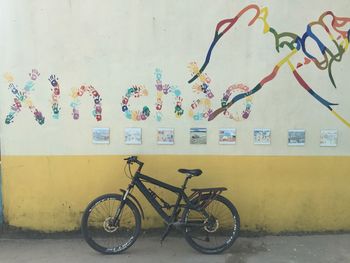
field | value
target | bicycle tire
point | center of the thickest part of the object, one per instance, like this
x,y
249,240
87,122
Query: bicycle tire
x,y
100,235
229,234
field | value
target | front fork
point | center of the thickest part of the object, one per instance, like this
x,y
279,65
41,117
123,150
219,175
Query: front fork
x,y
116,217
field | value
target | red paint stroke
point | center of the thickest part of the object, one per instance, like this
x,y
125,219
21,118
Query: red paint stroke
x,y
301,81
306,61
232,21
271,76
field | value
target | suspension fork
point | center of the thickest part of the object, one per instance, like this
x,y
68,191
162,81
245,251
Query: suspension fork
x,y
115,219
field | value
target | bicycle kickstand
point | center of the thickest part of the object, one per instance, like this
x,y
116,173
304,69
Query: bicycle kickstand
x,y
166,232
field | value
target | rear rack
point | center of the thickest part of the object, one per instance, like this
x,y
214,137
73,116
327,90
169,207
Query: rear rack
x,y
198,193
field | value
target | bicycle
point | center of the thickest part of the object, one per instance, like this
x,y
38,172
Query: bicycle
x,y
111,223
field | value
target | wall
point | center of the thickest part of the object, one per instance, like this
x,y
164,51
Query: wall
x,y
273,193
74,63
1,209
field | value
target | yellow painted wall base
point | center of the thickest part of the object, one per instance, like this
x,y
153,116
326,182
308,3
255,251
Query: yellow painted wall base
x,y
273,194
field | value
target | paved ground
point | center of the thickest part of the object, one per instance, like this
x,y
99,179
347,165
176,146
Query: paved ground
x,y
147,249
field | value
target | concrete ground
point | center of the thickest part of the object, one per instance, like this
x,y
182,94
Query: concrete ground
x,y
147,249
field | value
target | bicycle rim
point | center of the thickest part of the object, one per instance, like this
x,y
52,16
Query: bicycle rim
x,y
217,232
98,231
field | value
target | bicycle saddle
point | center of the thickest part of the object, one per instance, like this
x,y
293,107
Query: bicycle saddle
x,y
193,172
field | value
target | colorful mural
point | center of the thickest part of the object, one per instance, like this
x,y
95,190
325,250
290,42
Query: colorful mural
x,y
328,52
136,91
337,33
202,108
165,89
77,93
22,98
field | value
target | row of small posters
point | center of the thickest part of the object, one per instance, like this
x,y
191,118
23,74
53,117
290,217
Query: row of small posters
x,y
328,138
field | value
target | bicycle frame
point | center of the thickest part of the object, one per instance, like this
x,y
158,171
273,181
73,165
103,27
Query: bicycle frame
x,y
137,180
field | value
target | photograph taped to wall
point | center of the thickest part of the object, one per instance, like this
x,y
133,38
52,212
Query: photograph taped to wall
x,y
133,136
227,136
198,136
100,135
262,136
329,138
165,136
296,137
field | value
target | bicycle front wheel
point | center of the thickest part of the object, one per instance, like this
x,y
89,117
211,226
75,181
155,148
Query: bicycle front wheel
x,y
213,229
98,228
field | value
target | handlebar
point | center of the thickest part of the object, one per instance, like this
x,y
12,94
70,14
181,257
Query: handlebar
x,y
133,159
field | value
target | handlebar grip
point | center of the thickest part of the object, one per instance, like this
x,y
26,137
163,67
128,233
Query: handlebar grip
x,y
131,159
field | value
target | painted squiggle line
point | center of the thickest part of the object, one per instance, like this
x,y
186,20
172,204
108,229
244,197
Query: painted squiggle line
x,y
228,23
299,43
295,44
55,96
79,92
165,89
135,91
23,98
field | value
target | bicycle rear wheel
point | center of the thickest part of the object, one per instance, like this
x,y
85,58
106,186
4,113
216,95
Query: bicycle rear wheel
x,y
216,229
99,231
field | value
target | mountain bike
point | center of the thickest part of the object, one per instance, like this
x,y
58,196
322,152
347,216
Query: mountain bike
x,y
210,222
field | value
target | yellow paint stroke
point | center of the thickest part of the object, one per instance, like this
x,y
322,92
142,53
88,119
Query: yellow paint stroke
x,y
291,66
286,58
264,14
341,118
345,44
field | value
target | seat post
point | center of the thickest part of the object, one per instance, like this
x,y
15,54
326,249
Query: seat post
x,y
186,180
